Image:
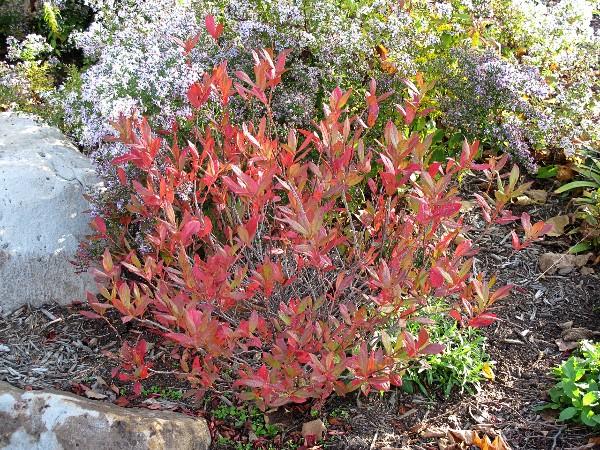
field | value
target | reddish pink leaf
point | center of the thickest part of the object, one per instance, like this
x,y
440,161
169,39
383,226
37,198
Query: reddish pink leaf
x,y
433,349
435,277
90,315
483,320
213,29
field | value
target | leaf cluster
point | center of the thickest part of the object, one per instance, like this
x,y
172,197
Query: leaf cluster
x,y
577,393
257,271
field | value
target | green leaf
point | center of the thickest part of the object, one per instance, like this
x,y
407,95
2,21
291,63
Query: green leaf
x,y
556,394
513,177
568,413
575,185
581,247
586,417
589,398
544,406
569,371
446,39
589,173
438,136
455,140
547,172
438,155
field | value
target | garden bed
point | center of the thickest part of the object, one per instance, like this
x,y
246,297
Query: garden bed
x,y
57,347
317,225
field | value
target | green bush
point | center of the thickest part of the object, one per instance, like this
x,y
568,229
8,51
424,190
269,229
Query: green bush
x,y
577,394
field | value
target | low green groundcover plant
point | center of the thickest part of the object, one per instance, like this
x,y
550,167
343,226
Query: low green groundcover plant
x,y
577,394
461,367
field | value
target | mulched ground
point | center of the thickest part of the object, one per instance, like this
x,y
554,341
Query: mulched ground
x,y
57,347
523,346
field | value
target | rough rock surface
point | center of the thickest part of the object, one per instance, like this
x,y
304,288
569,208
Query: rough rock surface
x,y
42,214
47,420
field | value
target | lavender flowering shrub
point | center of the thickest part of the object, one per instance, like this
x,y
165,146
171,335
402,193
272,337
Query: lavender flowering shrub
x,y
516,74
26,72
489,97
36,54
139,64
555,38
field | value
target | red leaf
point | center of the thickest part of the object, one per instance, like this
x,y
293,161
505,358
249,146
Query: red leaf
x,y
195,227
516,244
122,175
455,315
213,29
137,388
263,373
90,315
140,348
99,225
122,401
435,277
409,344
483,320
433,349
197,95
502,292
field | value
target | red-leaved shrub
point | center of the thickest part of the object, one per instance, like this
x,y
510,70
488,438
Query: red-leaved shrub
x,y
289,270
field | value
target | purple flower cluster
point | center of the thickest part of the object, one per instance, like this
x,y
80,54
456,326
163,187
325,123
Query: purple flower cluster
x,y
490,98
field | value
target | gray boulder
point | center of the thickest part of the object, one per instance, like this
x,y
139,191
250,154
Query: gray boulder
x,y
42,214
48,420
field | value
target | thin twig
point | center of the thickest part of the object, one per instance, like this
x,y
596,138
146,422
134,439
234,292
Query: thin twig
x,y
374,440
153,324
555,438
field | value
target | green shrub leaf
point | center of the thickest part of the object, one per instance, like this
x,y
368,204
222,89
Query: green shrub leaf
x,y
575,185
589,398
568,413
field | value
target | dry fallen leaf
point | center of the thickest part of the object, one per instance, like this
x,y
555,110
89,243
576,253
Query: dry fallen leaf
x,y
487,371
587,270
566,325
314,428
454,439
434,433
467,206
95,395
563,345
593,443
559,223
565,173
570,337
552,262
537,195
532,197
594,440
577,334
